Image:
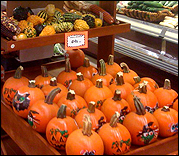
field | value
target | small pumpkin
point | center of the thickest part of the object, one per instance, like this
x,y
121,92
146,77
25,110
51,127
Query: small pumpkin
x,y
175,104
59,128
86,141
115,136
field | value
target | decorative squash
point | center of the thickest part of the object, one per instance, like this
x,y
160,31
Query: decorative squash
x,y
98,23
168,121
50,9
66,76
148,98
90,19
43,111
20,13
35,19
53,84
59,128
87,69
62,27
167,92
25,97
80,25
86,141
12,84
20,36
97,117
24,24
102,74
125,87
48,30
30,32
80,85
43,79
39,28
115,136
113,104
175,104
112,67
98,93
42,14
128,74
73,102
142,125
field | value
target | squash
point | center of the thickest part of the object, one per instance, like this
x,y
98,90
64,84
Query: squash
x,y
47,30
98,23
80,25
30,32
35,19
39,28
20,13
24,24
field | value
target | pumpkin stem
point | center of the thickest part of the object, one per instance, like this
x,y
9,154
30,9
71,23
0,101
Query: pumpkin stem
x,y
80,76
87,125
67,65
99,83
86,62
62,112
102,71
91,107
71,95
114,119
44,71
53,81
165,109
117,95
119,79
18,73
125,67
140,110
143,87
167,84
110,60
51,95
137,79
31,84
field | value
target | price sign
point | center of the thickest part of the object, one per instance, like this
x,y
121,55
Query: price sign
x,y
76,40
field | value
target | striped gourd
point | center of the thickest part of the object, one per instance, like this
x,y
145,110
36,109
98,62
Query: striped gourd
x,y
71,17
58,16
42,14
63,27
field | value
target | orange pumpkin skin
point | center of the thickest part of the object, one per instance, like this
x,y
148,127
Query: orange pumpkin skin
x,y
12,84
175,105
35,94
168,121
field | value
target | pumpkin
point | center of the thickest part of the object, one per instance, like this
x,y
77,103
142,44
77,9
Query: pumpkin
x,y
115,136
76,57
84,141
112,67
73,102
53,84
98,93
102,74
97,116
128,74
142,125
80,85
25,97
148,98
168,121
59,128
151,84
66,76
113,104
43,111
175,104
125,87
167,92
87,69
43,79
12,84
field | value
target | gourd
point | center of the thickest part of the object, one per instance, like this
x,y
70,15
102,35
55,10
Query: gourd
x,y
39,28
98,23
63,27
30,32
97,117
71,17
80,25
113,104
25,97
42,14
89,19
12,84
35,19
24,24
47,30
142,125
59,128
86,141
168,121
50,9
42,111
115,136
20,13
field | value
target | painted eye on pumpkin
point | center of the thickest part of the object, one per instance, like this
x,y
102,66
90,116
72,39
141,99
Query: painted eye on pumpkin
x,y
151,133
21,99
174,128
145,134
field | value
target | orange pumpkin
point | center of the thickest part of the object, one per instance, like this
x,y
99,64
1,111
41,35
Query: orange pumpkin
x,y
80,85
106,77
97,117
168,121
53,84
66,76
112,67
113,104
73,102
43,79
25,97
142,125
98,93
84,141
43,111
175,105
59,128
165,95
87,69
115,136
125,87
12,84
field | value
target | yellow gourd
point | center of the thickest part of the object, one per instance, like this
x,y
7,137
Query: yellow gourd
x,y
98,22
81,25
35,19
48,30
24,24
